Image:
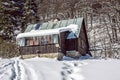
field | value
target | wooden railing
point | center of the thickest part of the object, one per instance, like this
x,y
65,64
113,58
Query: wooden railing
x,y
41,49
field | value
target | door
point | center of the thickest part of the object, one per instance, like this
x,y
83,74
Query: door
x,y
70,44
62,41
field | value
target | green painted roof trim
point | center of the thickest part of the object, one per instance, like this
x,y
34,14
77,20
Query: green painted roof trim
x,y
30,27
58,24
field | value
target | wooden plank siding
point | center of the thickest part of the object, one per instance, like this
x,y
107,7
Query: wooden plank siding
x,y
71,44
81,49
62,42
49,48
83,45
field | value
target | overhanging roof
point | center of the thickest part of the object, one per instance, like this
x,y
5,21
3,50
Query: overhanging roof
x,y
63,23
50,27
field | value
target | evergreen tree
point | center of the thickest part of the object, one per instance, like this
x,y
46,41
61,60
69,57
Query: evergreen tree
x,y
5,21
15,14
31,12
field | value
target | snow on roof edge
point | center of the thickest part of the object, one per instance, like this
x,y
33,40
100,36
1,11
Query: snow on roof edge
x,y
34,33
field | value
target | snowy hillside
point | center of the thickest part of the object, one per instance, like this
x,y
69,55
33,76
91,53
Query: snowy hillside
x,y
51,69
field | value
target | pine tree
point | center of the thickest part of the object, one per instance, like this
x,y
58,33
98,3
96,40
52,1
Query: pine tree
x,y
31,11
5,19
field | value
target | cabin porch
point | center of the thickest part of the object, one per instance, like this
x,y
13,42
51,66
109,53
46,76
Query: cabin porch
x,y
38,49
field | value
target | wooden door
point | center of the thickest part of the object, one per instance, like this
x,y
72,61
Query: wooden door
x,y
71,44
62,41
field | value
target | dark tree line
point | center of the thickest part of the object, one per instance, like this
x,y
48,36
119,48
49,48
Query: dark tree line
x,y
102,19
15,14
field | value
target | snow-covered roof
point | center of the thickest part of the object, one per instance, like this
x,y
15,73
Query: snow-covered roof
x,y
56,24
49,28
38,33
33,33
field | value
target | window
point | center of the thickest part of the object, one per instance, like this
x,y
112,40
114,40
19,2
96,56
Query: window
x,y
55,36
79,42
36,40
83,43
29,42
41,40
48,39
21,42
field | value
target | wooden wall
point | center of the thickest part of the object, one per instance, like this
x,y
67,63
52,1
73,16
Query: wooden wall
x,y
71,44
83,45
49,48
62,42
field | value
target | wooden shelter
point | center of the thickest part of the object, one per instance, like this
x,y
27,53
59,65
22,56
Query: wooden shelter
x,y
67,37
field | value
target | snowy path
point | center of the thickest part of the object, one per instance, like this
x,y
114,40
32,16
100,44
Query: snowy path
x,y
40,69
45,69
72,70
16,70
7,70
51,69
28,73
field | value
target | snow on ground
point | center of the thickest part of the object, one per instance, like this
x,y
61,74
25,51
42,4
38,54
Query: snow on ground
x,y
67,69
102,70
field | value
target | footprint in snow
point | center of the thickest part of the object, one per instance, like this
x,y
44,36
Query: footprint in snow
x,y
72,71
